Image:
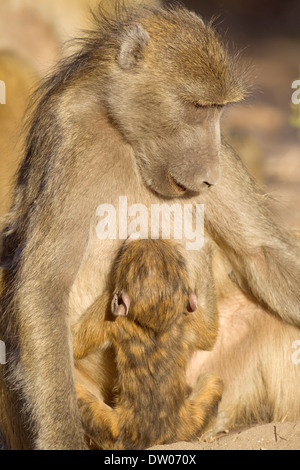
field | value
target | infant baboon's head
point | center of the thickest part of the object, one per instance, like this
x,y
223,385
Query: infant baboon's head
x,y
151,282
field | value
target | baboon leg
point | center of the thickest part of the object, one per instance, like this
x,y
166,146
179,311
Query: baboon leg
x,y
201,406
99,420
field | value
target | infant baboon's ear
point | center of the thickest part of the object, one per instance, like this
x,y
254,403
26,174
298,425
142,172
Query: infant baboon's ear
x,y
192,303
132,47
120,303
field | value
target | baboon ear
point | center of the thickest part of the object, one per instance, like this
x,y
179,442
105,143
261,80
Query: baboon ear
x,y
120,304
192,303
132,47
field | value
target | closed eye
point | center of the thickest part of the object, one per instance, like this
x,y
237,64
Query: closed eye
x,y
208,106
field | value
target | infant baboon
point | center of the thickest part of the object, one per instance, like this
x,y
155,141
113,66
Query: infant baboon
x,y
153,338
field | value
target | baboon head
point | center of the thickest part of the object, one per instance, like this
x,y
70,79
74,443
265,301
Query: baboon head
x,y
168,84
152,284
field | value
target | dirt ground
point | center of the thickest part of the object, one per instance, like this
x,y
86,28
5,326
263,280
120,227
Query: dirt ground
x,y
273,436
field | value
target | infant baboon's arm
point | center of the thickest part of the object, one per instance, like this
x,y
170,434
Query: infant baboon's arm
x,y
201,325
93,328
201,330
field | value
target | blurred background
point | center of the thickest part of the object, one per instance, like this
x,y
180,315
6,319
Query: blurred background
x,y
264,129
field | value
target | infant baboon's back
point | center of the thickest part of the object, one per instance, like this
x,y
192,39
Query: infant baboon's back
x,y
151,336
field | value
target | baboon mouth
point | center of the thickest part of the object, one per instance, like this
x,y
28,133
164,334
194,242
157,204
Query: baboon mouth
x,y
178,187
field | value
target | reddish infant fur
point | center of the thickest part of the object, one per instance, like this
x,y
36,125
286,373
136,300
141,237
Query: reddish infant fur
x,y
153,339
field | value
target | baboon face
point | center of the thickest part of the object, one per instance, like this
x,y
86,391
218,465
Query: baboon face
x,y
170,81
